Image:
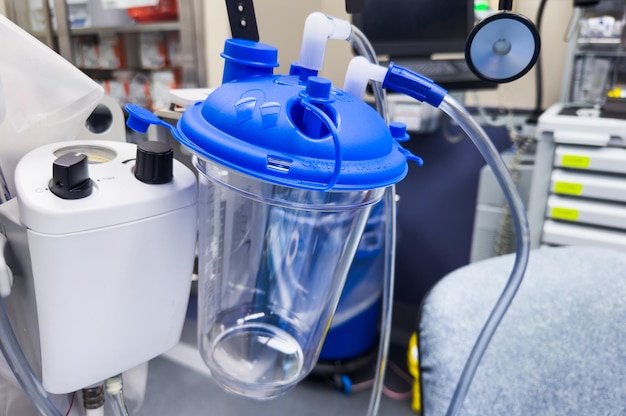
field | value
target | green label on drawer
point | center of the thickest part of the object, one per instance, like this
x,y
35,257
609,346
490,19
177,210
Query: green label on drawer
x,y
568,188
567,214
575,161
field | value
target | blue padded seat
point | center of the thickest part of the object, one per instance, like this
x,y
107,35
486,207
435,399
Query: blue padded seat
x,y
560,349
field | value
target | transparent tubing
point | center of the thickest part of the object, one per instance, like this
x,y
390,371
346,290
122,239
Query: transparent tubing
x,y
522,239
114,387
119,405
21,368
364,48
423,89
387,301
5,195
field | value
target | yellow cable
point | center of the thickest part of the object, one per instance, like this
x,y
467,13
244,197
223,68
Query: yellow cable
x,y
413,364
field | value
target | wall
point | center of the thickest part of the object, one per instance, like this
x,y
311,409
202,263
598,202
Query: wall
x,y
216,31
281,23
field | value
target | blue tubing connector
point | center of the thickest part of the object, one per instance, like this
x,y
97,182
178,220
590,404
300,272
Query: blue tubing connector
x,y
414,85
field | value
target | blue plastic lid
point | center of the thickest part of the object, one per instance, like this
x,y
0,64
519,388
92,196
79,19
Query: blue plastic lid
x,y
280,129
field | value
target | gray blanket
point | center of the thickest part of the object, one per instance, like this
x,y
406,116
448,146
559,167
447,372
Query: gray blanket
x,y
560,350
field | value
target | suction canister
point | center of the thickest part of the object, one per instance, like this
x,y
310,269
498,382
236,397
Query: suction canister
x,y
289,168
351,339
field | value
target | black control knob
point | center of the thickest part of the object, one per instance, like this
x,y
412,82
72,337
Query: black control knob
x,y
155,162
70,176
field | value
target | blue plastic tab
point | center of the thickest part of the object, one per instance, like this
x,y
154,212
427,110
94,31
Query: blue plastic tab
x,y
411,156
139,118
398,131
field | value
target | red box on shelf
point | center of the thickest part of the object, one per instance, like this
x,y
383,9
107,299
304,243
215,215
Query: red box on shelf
x,y
164,10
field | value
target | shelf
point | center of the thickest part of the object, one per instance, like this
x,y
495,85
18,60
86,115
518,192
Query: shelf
x,y
599,41
137,28
561,234
587,158
587,212
578,194
130,68
121,37
588,185
600,53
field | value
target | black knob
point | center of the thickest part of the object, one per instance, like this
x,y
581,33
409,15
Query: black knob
x,y
155,162
70,177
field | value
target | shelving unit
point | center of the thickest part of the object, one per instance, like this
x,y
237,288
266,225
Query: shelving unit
x,y
598,62
135,62
578,190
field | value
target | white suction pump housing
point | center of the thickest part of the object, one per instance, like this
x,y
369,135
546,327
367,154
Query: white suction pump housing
x,y
111,232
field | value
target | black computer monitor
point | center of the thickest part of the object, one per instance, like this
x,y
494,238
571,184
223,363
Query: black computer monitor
x,y
421,28
411,32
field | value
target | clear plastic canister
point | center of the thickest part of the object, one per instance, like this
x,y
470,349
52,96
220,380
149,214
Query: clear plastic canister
x,y
272,264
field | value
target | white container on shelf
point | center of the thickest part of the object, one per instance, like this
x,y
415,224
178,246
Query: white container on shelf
x,y
102,16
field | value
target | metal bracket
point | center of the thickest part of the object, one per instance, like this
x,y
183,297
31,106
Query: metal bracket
x,y
242,19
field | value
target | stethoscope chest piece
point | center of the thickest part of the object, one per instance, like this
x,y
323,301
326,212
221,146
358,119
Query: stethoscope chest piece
x,y
502,47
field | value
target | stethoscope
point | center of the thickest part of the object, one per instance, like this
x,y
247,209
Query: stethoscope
x,y
503,47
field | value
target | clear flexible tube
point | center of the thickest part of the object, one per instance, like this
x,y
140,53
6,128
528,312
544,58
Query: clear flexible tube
x,y
365,49
5,194
387,301
115,391
522,239
119,405
21,368
13,354
414,85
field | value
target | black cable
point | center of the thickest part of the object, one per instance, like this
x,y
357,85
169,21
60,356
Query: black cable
x,y
355,6
505,5
538,75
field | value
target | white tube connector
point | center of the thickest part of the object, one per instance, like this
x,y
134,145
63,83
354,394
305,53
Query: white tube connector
x,y
114,385
95,412
318,29
360,71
